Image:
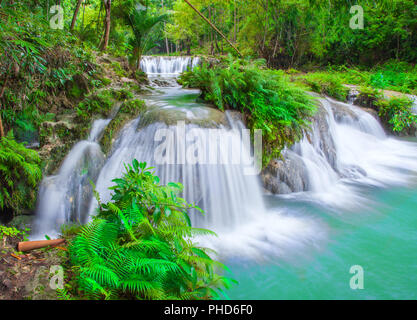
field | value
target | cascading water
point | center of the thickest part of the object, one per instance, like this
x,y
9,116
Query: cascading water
x,y
64,197
346,147
216,187
167,66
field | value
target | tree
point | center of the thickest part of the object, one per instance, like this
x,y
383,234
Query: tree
x,y
142,22
107,23
74,17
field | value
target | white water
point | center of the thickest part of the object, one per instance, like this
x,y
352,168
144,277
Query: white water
x,y
233,202
414,108
167,66
62,197
364,155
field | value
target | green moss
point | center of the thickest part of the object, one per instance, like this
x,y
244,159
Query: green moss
x,y
122,94
128,110
98,103
75,91
328,84
141,77
117,68
368,96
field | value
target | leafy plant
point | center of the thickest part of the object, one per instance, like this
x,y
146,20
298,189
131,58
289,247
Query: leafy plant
x,y
139,246
398,112
12,232
20,174
270,103
142,21
327,83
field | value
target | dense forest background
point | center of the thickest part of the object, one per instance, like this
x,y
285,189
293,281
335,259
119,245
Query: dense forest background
x,y
285,33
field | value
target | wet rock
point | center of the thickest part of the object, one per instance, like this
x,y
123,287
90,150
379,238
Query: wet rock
x,y
234,116
204,117
343,113
322,137
285,175
22,222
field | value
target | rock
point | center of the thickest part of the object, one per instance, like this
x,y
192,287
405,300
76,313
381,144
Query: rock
x,y
287,175
78,86
22,222
205,117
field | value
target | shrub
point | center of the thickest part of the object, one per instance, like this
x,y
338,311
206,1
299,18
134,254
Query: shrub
x,y
398,113
99,103
269,101
326,83
139,246
20,173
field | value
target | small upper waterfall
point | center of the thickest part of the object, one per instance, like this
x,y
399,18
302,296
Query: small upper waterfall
x,y
166,66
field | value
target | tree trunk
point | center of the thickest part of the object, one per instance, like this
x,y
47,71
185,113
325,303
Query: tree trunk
x,y
1,96
74,17
30,245
99,17
235,23
107,7
166,38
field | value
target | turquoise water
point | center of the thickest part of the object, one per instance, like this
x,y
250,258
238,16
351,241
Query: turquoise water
x,y
382,238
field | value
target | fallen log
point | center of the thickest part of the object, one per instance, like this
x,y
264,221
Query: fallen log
x,y
30,245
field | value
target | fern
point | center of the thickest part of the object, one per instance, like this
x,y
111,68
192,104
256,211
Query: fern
x,y
134,249
20,174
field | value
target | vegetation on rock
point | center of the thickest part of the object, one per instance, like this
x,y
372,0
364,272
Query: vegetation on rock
x,y
269,102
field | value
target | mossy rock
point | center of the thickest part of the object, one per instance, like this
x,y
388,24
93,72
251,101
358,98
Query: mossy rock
x,y
141,77
128,110
22,222
118,69
205,117
78,86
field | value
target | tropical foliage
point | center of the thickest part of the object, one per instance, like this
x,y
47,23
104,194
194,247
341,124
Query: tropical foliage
x,y
270,103
141,21
398,112
20,173
289,33
140,245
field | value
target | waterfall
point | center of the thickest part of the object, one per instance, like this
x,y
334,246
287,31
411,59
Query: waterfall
x,y
167,66
414,108
346,146
219,186
64,197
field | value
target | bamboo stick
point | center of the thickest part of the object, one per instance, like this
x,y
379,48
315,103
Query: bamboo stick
x,y
213,26
30,245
